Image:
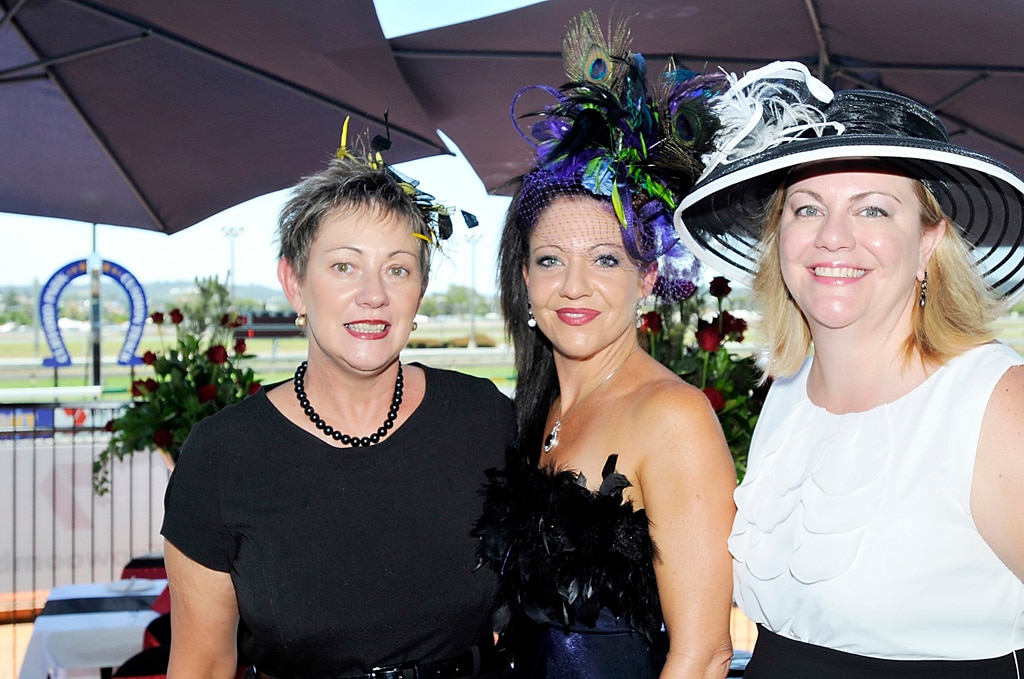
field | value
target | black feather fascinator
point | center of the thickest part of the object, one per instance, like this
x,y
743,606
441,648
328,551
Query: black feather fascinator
x,y
436,214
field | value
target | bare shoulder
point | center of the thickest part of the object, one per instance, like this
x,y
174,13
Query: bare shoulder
x,y
1009,391
666,404
685,461
680,428
1003,423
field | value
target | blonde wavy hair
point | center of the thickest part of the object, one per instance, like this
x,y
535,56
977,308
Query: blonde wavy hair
x,y
959,313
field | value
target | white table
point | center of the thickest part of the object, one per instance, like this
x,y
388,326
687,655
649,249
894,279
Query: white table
x,y
68,645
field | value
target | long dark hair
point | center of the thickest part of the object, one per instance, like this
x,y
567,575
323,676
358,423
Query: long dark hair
x,y
536,382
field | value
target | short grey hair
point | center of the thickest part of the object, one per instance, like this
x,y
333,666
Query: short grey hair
x,y
348,185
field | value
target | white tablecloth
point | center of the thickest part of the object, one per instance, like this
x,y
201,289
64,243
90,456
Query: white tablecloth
x,y
74,645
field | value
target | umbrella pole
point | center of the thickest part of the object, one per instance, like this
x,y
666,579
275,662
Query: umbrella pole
x,y
95,267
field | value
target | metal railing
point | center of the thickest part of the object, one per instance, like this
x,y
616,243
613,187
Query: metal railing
x,y
54,530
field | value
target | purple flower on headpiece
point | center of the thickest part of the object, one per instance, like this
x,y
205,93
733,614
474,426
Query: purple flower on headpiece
x,y
673,291
678,269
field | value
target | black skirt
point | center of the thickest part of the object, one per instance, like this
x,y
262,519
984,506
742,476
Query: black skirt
x,y
776,657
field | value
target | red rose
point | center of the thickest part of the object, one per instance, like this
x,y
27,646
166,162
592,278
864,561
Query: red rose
x,y
163,438
157,317
151,385
149,358
708,337
217,354
719,287
239,346
715,397
137,387
733,326
225,321
109,426
176,316
253,388
239,321
651,322
207,393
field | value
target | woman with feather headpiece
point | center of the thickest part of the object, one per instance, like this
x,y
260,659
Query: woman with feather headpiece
x,y
320,528
609,533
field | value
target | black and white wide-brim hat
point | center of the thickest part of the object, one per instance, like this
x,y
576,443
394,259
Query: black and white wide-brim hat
x,y
720,219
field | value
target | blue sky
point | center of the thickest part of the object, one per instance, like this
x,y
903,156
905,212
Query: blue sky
x,y
34,247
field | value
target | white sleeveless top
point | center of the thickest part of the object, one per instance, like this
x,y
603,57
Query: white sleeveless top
x,y
854,532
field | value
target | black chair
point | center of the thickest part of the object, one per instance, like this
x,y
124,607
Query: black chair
x,y
158,632
151,663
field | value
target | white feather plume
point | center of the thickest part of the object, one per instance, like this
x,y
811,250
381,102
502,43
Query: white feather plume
x,y
767,107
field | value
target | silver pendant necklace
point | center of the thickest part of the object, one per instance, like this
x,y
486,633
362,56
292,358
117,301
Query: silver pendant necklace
x,y
551,440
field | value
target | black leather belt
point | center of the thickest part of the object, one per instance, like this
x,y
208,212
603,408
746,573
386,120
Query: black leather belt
x,y
464,665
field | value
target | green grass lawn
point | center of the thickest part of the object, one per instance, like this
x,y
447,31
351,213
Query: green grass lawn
x,y
274,360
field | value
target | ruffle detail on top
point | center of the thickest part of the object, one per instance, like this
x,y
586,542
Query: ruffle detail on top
x,y
816,482
563,552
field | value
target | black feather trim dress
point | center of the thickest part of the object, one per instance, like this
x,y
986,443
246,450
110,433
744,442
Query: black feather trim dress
x,y
577,594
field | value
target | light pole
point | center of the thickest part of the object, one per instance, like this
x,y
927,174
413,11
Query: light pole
x,y
232,232
472,239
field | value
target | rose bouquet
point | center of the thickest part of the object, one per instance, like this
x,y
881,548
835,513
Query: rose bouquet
x,y
192,379
697,348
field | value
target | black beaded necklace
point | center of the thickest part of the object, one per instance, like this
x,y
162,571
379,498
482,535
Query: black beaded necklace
x,y
328,430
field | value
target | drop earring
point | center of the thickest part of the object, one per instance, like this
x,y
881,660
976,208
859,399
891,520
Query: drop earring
x,y
924,291
530,320
639,314
300,321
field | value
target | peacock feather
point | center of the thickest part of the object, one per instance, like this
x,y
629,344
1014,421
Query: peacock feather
x,y
687,125
589,58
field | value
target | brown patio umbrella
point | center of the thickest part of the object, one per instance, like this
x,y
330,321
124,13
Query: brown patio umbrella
x,y
963,59
159,114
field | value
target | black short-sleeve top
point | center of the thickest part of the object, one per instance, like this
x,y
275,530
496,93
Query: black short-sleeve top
x,y
344,559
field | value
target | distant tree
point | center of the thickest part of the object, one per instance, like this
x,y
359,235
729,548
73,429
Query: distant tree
x,y
16,307
115,315
203,305
455,301
10,300
248,303
461,297
16,316
74,309
429,306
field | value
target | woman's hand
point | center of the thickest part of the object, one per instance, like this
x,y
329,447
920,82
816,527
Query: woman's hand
x,y
204,620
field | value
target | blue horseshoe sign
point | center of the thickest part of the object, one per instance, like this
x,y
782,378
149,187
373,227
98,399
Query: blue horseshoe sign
x,y
51,295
